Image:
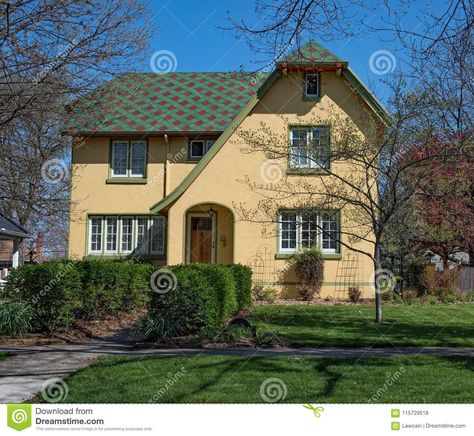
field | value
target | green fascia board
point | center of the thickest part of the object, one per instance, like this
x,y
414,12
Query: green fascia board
x,y
189,179
368,97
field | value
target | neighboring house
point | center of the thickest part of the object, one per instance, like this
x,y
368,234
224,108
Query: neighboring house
x,y
11,237
157,168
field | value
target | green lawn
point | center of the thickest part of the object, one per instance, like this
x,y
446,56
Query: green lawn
x,y
353,325
222,379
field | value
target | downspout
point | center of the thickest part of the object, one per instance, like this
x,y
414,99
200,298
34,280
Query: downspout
x,y
165,169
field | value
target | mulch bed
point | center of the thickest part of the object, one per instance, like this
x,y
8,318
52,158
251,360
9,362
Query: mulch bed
x,y
81,331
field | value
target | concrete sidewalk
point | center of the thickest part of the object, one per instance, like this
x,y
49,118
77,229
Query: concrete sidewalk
x,y
23,374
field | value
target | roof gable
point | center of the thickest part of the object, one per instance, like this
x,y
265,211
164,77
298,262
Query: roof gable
x,y
309,54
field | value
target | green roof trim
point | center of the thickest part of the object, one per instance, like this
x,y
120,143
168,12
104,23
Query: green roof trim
x,y
366,95
189,179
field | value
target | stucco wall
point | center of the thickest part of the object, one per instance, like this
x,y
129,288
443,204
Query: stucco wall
x,y
220,183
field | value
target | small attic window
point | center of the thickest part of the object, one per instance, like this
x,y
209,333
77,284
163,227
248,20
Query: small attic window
x,y
311,84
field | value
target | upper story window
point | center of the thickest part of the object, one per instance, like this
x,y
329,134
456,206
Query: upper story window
x,y
305,229
309,147
128,158
312,85
199,147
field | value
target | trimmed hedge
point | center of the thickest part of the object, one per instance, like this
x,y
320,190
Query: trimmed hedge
x,y
59,292
243,284
203,297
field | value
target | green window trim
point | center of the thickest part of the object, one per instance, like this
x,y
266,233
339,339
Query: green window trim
x,y
119,253
126,181
311,97
307,171
328,256
119,179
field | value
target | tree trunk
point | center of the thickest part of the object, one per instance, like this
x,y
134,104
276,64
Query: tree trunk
x,y
378,291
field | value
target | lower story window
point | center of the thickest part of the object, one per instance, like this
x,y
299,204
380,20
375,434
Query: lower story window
x,y
127,234
305,229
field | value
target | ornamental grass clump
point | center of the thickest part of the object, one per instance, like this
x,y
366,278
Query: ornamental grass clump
x,y
309,268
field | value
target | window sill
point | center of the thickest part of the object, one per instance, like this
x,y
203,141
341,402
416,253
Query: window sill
x,y
125,256
126,181
316,98
329,256
307,172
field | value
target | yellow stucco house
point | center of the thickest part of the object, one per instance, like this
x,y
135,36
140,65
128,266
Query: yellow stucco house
x,y
159,168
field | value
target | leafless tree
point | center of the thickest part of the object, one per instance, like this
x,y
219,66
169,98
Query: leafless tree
x,y
51,53
368,181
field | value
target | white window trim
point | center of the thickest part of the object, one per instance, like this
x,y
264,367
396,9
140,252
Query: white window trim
x,y
312,164
89,242
299,221
147,235
130,147
161,250
112,172
207,144
117,239
318,76
128,173
121,218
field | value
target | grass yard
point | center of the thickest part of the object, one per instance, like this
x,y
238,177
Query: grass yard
x,y
445,325
230,379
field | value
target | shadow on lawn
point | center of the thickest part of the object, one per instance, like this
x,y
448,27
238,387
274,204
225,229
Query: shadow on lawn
x,y
343,328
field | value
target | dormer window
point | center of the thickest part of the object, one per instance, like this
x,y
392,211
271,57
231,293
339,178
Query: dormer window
x,y
311,85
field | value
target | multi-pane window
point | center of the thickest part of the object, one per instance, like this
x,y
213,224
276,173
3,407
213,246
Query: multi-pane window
x,y
157,235
142,234
309,147
308,229
128,159
111,234
311,84
127,234
199,147
95,232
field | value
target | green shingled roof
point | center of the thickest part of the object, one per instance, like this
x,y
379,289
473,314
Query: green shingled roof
x,y
311,53
172,102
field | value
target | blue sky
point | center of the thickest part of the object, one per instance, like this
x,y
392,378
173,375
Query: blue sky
x,y
189,29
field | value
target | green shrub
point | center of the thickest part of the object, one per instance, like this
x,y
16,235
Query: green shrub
x,y
409,296
243,284
109,286
309,268
469,297
354,294
14,319
203,297
264,293
51,289
59,292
